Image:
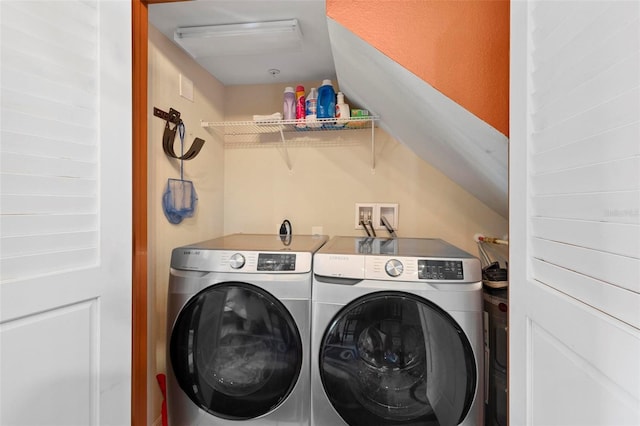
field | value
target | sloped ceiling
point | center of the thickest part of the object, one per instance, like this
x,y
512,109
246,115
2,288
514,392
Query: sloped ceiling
x,y
461,48
466,149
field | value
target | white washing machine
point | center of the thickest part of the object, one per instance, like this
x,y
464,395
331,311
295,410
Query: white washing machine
x,y
238,335
396,334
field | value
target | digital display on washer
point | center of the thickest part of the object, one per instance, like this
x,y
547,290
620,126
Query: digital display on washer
x,y
276,262
440,269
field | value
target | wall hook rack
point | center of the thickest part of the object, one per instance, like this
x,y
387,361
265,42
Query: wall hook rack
x,y
169,135
172,116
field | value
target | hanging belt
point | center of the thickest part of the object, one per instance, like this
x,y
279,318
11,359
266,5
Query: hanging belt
x,y
169,135
168,138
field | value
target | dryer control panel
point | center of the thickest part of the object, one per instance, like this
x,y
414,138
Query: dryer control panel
x,y
194,259
276,262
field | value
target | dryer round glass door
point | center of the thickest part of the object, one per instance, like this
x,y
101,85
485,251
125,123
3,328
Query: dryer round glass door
x,y
236,351
393,358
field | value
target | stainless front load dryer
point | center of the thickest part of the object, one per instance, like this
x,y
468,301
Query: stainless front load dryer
x,y
239,331
396,334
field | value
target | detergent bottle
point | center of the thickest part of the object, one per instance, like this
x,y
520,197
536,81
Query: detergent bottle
x,y
326,107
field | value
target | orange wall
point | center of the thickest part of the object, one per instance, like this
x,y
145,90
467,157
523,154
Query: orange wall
x,y
459,47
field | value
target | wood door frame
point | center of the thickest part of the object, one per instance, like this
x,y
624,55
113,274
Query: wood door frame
x,y
139,332
139,326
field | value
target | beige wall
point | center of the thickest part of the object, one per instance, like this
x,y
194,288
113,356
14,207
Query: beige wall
x,y
166,63
331,172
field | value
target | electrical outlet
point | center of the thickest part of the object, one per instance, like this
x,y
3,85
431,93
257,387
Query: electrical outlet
x,y
390,212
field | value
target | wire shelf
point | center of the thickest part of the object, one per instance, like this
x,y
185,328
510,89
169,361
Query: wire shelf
x,y
288,126
284,131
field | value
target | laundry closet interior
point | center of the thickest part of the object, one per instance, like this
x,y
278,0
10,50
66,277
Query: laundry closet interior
x,y
250,176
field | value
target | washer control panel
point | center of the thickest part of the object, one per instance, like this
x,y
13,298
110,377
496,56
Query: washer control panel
x,y
394,268
401,268
237,261
414,269
429,269
416,260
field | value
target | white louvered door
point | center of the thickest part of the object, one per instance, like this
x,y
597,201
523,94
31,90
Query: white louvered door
x,y
65,247
575,213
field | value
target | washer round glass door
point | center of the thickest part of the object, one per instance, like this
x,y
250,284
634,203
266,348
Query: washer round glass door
x,y
392,358
236,351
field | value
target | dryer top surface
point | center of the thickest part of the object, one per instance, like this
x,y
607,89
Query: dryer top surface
x,y
251,253
263,242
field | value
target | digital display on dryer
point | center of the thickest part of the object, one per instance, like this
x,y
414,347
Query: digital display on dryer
x,y
440,270
276,262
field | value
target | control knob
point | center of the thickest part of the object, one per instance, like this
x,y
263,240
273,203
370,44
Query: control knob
x,y
236,261
394,268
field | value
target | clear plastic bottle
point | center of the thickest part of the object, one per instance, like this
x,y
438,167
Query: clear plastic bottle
x,y
312,104
289,104
343,113
326,100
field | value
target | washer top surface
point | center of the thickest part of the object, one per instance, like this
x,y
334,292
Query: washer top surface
x,y
265,253
418,247
402,259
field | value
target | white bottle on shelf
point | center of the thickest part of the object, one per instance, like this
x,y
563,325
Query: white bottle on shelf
x,y
343,113
289,103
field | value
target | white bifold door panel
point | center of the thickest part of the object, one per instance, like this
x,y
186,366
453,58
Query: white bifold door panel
x,y
65,225
574,288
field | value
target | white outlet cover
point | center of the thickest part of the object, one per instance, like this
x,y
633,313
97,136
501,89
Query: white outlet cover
x,y
390,211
